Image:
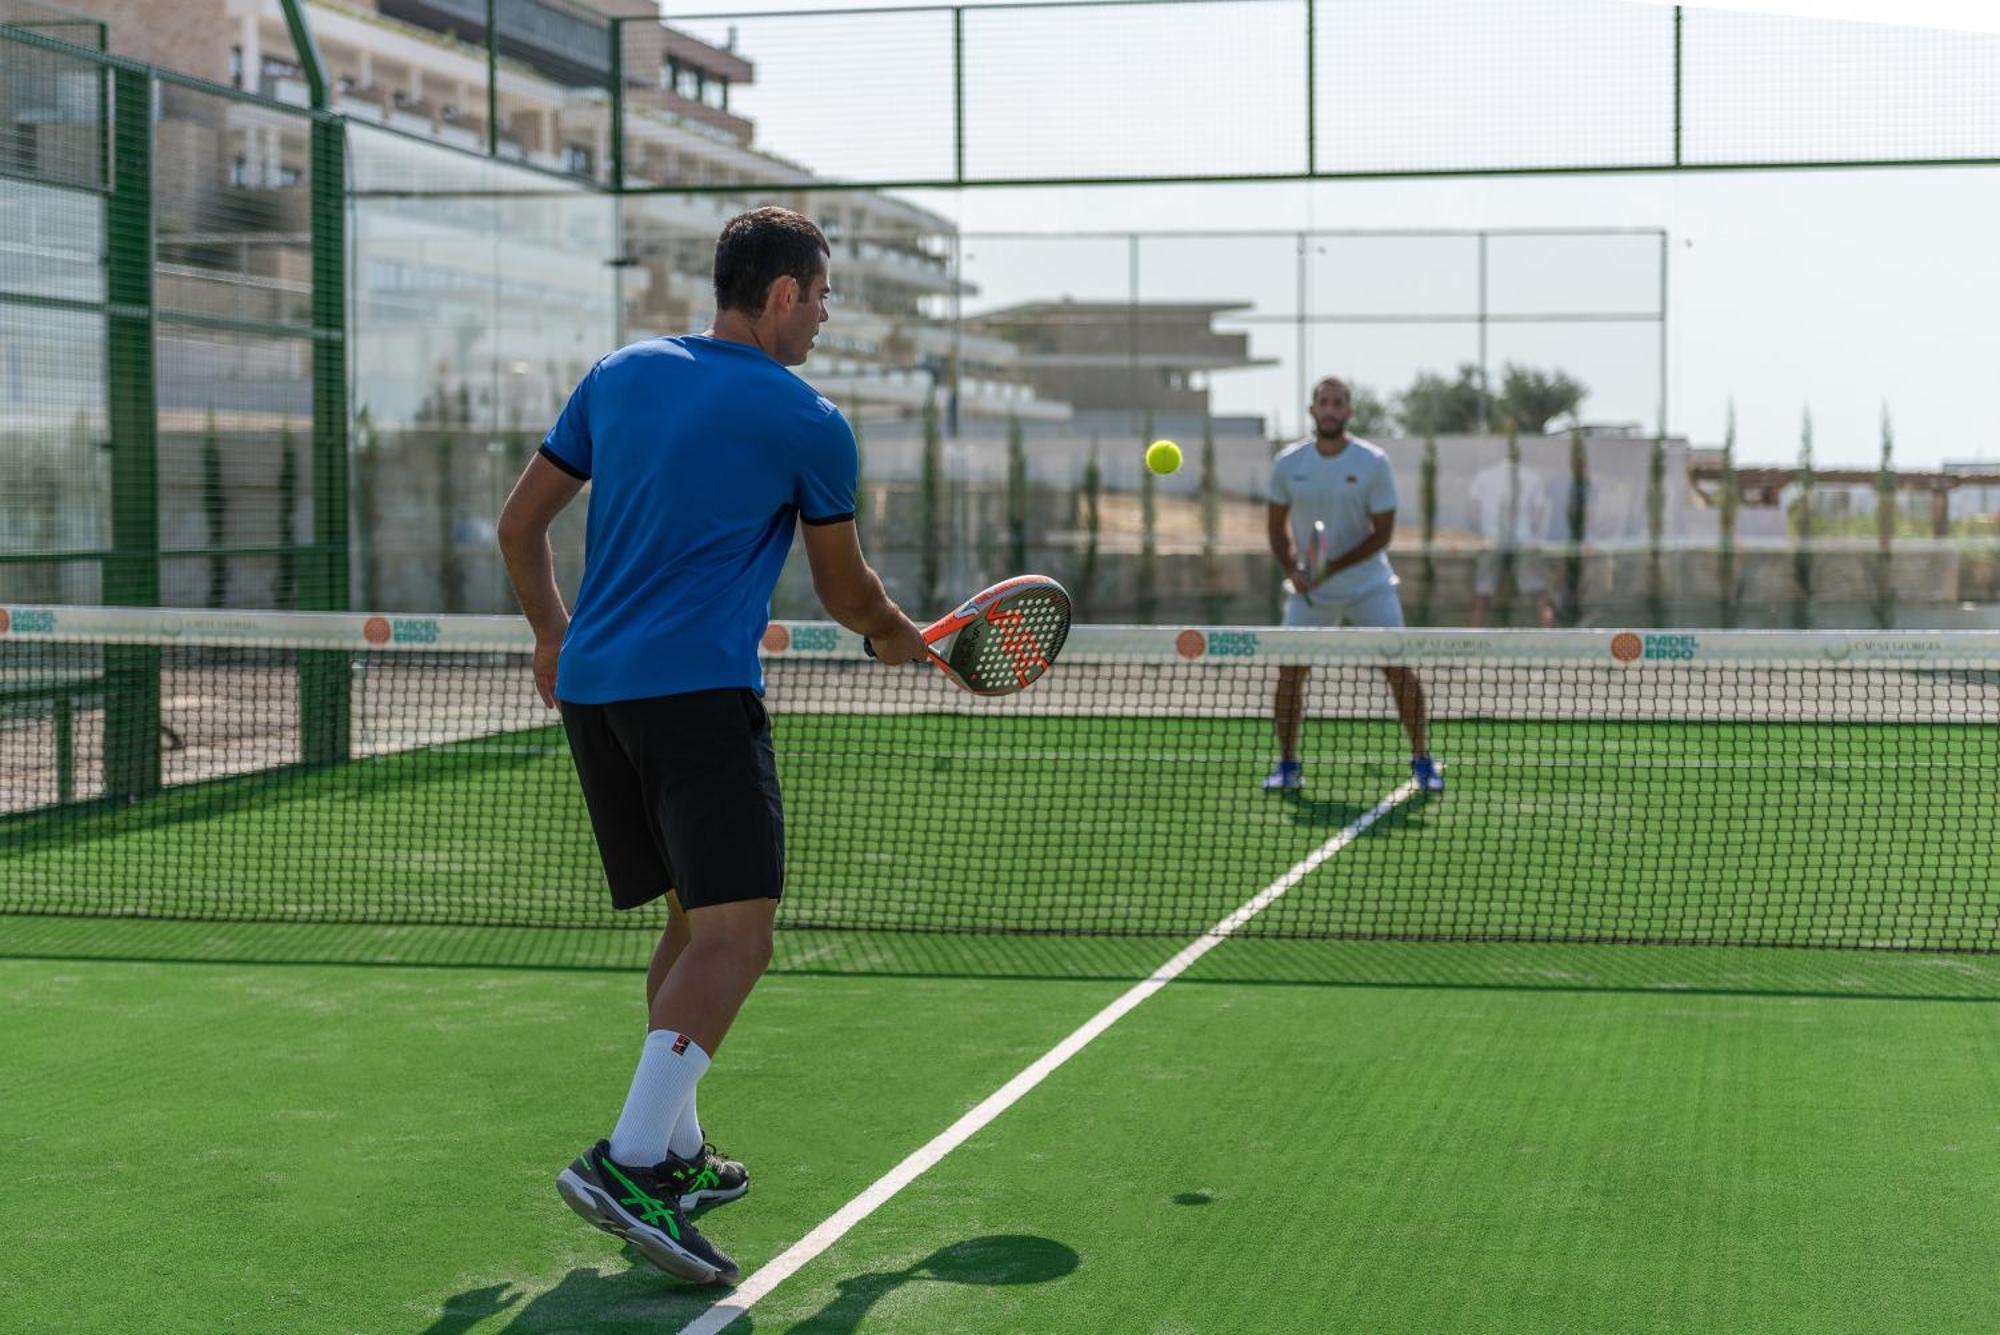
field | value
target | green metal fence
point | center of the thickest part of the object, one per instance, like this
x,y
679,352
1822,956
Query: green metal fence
x,y
273,355
254,353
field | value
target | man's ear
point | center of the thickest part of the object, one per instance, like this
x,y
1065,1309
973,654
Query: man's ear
x,y
783,296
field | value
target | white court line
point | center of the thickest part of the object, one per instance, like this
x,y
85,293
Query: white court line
x,y
784,1265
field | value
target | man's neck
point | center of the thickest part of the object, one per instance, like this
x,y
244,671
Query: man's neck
x,y
732,327
1330,445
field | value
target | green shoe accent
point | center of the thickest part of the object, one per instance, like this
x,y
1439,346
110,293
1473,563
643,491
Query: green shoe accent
x,y
652,1210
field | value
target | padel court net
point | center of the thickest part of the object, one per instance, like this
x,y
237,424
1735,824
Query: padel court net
x,y
1803,789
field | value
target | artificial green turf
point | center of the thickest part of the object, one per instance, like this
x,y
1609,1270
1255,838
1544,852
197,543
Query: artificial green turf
x,y
307,1148
1314,1159
202,1147
1794,833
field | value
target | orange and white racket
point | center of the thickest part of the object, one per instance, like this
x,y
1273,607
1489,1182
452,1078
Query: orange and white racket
x,y
1002,639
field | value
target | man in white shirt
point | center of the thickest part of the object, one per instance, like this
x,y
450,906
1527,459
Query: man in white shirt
x,y
1345,486
1513,516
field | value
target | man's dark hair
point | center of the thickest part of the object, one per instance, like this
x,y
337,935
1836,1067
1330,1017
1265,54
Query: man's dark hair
x,y
760,247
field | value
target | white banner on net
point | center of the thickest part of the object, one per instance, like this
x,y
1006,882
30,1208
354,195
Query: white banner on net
x,y
1165,646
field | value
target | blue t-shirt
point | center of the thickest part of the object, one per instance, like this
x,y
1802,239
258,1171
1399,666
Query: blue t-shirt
x,y
701,454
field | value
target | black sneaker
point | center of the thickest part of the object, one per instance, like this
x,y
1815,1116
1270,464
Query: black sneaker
x,y
640,1206
708,1178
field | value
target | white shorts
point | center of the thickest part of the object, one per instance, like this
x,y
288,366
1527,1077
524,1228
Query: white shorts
x,y
1378,608
1531,573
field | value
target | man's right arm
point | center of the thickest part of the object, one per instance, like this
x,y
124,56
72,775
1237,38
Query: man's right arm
x,y
852,592
1278,529
539,496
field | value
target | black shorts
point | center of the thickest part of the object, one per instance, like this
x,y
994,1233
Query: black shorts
x,y
683,795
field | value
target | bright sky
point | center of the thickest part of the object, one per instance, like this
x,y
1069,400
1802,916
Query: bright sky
x,y
1834,292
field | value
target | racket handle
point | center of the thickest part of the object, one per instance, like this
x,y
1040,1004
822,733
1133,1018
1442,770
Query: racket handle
x,y
868,647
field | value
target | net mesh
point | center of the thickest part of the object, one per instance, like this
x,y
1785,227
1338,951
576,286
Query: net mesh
x,y
1805,789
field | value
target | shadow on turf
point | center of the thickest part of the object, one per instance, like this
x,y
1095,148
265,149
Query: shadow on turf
x,y
1325,813
635,1299
1000,1258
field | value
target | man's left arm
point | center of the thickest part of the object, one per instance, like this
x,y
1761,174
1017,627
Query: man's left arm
x,y
1381,501
1377,540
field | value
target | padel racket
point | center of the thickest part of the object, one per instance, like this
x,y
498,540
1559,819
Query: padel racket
x,y
1315,559
1002,639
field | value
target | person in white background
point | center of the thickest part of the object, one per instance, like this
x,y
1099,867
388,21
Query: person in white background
x,y
1345,485
1511,508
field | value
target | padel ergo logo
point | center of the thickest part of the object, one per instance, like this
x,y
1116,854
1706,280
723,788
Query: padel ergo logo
x,y
779,639
1627,647
1216,644
27,621
379,631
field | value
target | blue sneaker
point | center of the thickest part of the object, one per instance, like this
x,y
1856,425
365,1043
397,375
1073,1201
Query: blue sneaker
x,y
1289,776
1425,771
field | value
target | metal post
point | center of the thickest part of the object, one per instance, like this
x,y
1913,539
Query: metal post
x,y
1484,396
618,110
1300,326
1312,94
958,94
1663,333
323,677
957,453
65,747
131,573
493,79
310,63
957,332
1677,85
1132,328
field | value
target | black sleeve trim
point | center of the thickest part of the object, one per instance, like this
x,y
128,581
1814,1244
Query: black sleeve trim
x,y
829,519
550,455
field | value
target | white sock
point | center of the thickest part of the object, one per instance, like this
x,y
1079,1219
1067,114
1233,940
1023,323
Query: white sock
x,y
687,1139
669,1066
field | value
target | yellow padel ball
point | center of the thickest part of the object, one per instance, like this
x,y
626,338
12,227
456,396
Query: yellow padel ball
x,y
1163,457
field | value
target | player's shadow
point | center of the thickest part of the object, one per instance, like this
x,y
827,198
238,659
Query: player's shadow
x,y
1338,815
637,1300
465,1310
1000,1258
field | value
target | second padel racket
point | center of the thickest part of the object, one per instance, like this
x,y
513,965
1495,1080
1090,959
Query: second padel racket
x,y
1002,639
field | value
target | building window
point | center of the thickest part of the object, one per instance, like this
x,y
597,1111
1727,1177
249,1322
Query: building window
x,y
715,92
239,172
235,67
687,83
576,160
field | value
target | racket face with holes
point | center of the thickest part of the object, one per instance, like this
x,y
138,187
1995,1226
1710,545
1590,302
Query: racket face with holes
x,y
1006,637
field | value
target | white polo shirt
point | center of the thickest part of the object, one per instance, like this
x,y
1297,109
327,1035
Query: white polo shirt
x,y
1343,491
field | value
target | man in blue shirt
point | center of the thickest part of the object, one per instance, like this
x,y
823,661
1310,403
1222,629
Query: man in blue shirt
x,y
702,453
